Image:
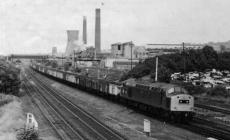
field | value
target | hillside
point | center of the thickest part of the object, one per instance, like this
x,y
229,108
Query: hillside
x,y
194,60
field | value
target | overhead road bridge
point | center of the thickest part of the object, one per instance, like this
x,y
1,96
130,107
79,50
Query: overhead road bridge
x,y
28,56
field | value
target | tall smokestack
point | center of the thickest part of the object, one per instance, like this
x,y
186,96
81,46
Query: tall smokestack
x,y
54,51
84,30
98,31
72,43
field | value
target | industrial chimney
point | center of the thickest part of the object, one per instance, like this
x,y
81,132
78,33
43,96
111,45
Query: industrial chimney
x,y
84,30
72,42
98,31
54,51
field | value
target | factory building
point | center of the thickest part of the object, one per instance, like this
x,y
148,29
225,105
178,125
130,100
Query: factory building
x,y
125,56
128,50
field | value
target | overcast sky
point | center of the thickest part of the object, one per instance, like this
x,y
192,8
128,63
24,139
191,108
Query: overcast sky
x,y
35,26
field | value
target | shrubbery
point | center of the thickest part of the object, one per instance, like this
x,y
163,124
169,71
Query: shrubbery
x,y
218,91
195,60
9,78
193,90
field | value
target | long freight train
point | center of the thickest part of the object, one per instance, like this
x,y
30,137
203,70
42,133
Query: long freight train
x,y
167,100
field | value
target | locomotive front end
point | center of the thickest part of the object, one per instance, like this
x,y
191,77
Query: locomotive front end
x,y
181,103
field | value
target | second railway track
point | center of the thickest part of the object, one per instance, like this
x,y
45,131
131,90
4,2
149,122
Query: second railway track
x,y
63,129
84,122
213,108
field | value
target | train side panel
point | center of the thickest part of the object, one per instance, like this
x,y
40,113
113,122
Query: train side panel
x,y
114,89
59,74
71,78
148,97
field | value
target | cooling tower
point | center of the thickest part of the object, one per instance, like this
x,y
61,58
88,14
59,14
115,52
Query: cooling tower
x,y
72,43
98,31
84,30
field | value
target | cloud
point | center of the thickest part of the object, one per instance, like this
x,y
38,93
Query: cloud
x,y
43,23
32,41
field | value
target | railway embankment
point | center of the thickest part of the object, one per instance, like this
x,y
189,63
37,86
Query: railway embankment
x,y
11,116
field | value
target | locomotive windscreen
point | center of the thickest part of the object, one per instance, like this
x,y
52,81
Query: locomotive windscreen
x,y
177,90
184,101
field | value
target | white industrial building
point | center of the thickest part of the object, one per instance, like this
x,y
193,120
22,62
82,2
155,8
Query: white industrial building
x,y
128,50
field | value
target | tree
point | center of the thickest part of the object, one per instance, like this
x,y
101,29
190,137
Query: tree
x,y
196,60
164,74
54,64
222,48
218,91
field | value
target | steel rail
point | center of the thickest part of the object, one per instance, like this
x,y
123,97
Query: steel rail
x,y
201,128
52,125
106,135
56,113
77,117
213,108
210,127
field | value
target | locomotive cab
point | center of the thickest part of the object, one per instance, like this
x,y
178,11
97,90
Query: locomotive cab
x,y
181,104
180,100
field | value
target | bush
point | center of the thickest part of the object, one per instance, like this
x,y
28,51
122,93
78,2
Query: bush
x,y
218,91
9,78
194,60
193,90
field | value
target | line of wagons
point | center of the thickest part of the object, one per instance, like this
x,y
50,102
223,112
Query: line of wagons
x,y
167,100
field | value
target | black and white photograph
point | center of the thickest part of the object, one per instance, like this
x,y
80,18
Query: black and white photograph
x,y
114,70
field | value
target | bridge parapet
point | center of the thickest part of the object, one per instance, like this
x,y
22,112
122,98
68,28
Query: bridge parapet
x,y
27,56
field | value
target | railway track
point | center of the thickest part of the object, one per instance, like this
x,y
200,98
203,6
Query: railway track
x,y
213,108
206,128
209,128
86,123
62,128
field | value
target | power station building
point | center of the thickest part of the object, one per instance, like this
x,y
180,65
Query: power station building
x,y
128,50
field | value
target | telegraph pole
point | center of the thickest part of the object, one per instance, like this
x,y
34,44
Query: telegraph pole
x,y
95,54
131,55
184,59
156,78
62,60
74,58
